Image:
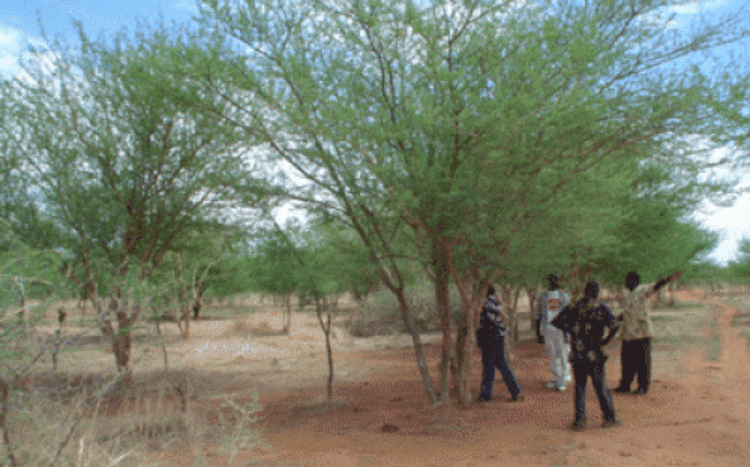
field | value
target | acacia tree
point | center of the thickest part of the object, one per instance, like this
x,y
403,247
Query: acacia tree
x,y
120,159
323,277
185,273
469,122
276,270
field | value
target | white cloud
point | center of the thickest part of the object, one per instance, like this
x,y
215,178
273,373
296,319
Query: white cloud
x,y
12,44
681,16
703,6
188,5
731,223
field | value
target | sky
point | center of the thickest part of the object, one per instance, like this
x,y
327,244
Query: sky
x,y
19,26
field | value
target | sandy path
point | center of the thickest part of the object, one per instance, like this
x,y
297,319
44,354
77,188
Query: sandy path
x,y
702,418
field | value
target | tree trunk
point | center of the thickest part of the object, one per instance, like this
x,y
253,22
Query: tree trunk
x,y
183,299
459,358
464,341
442,299
287,313
516,294
198,289
424,371
671,288
121,343
185,317
326,327
22,314
4,395
579,275
121,337
466,348
532,299
197,305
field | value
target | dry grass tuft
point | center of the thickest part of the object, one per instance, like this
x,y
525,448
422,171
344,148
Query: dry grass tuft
x,y
89,420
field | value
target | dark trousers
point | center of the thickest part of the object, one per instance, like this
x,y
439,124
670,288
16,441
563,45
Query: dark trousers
x,y
493,356
636,359
581,372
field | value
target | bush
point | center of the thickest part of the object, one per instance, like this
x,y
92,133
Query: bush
x,y
89,420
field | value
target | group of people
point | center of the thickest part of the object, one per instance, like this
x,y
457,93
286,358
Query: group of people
x,y
574,334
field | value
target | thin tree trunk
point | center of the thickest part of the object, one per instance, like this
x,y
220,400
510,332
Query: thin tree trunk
x,y
516,294
671,288
467,364
287,313
4,396
183,300
424,371
532,298
58,337
506,292
395,284
464,343
163,344
326,327
22,314
458,354
442,298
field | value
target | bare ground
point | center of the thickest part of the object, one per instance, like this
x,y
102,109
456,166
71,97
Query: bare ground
x,y
696,413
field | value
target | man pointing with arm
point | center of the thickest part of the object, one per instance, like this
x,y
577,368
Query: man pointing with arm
x,y
637,332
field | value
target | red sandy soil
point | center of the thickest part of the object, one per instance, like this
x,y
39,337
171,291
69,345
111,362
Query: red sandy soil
x,y
697,414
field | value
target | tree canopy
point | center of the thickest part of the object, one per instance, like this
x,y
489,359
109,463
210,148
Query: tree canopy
x,y
499,132
490,141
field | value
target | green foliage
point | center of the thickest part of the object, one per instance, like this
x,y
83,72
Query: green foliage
x,y
655,242
516,143
320,262
275,265
25,274
706,272
379,314
337,263
25,269
741,267
110,139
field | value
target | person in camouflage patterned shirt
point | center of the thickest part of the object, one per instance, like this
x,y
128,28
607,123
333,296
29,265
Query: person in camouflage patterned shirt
x,y
586,322
491,339
637,331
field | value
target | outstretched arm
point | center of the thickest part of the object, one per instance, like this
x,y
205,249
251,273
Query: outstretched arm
x,y
662,282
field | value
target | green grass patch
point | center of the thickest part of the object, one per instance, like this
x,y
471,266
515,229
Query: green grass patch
x,y
681,305
678,339
659,318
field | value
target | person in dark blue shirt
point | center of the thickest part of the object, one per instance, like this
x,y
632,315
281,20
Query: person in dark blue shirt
x,y
491,339
586,322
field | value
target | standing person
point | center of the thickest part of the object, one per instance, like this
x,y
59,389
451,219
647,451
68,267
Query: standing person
x,y
548,304
637,332
491,339
586,321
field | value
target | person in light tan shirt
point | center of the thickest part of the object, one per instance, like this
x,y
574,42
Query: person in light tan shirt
x,y
637,332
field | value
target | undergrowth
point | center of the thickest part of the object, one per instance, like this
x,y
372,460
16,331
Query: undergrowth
x,y
380,314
